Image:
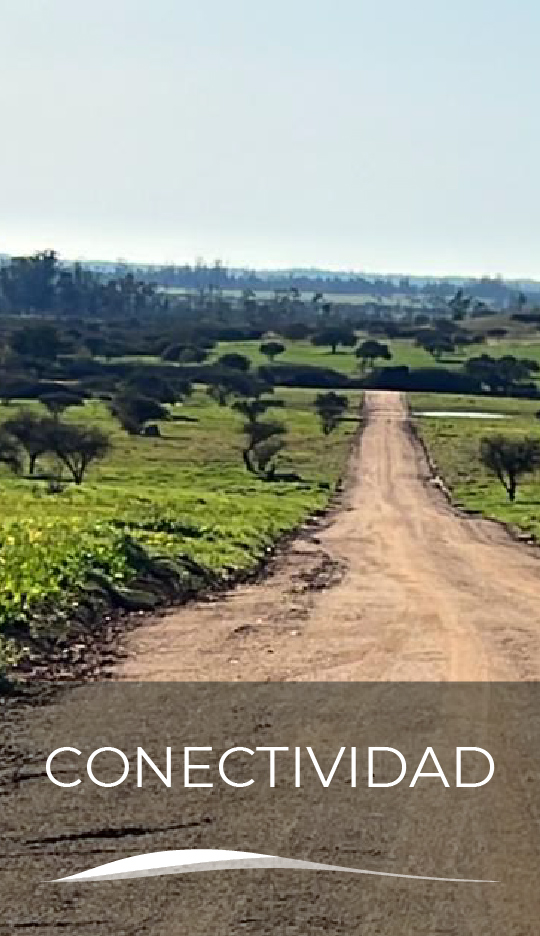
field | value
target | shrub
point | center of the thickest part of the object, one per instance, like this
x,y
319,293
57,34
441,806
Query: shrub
x,y
133,411
157,388
233,361
9,452
185,354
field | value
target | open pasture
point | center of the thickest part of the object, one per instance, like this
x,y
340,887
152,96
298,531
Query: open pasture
x,y
186,494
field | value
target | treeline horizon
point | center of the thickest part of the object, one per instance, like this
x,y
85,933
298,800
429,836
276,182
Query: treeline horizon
x,y
202,276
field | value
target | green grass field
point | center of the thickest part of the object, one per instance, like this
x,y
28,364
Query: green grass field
x,y
454,445
186,493
343,361
404,353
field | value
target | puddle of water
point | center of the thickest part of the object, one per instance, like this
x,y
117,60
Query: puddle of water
x,y
465,414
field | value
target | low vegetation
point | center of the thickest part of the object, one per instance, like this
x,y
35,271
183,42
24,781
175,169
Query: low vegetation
x,y
155,517
490,465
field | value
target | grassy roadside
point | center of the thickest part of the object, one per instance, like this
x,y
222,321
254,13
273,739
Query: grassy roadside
x,y
454,446
174,513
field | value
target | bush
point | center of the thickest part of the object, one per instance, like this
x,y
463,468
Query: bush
x,y
18,387
185,354
157,388
423,379
295,331
9,452
133,411
225,385
234,361
307,375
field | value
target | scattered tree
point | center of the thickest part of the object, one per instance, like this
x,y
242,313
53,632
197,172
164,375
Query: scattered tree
x,y
32,433
333,336
501,375
78,446
253,407
263,438
133,411
370,351
264,454
271,349
330,408
57,403
435,343
262,443
459,305
157,388
510,458
236,384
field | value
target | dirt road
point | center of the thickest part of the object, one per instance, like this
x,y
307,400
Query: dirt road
x,y
394,586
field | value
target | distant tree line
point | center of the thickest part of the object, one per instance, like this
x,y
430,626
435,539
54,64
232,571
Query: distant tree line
x,y
204,276
42,284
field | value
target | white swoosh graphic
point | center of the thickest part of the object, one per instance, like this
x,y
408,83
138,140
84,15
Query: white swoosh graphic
x,y
213,859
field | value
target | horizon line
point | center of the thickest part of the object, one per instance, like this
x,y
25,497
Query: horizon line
x,y
320,271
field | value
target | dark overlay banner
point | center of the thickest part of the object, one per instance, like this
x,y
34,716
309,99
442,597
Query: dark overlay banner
x,y
271,808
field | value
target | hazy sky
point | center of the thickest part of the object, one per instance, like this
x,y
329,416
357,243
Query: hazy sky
x,y
393,135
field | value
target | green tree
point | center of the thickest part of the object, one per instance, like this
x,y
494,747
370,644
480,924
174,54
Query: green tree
x,y
263,438
333,336
10,454
33,434
227,385
330,408
40,341
370,351
435,343
271,349
78,446
459,305
263,441
500,375
133,411
57,403
510,458
28,283
157,388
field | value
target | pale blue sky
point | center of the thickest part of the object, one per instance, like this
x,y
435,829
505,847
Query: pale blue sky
x,y
388,136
